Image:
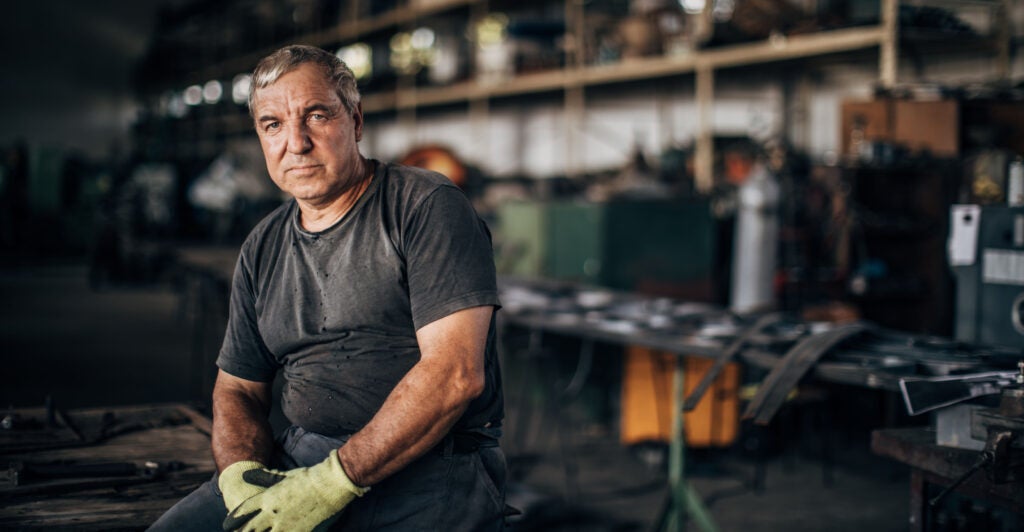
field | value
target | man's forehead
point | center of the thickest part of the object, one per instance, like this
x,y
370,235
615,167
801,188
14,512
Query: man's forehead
x,y
302,86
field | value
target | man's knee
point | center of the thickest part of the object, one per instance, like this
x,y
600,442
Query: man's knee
x,y
201,510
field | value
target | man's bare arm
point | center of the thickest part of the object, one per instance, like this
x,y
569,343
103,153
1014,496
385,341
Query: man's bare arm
x,y
425,404
241,429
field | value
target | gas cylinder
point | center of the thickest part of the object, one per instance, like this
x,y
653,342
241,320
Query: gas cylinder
x,y
755,241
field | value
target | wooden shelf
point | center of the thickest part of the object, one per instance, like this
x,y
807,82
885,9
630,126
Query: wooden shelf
x,y
790,48
345,31
795,47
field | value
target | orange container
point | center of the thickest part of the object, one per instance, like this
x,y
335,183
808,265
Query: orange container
x,y
647,400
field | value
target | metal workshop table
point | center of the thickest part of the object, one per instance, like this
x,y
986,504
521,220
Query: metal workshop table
x,y
684,502
859,354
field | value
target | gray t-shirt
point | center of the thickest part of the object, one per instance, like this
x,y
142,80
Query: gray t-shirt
x,y
338,310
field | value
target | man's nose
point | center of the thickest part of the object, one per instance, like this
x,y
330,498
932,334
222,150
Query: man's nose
x,y
298,138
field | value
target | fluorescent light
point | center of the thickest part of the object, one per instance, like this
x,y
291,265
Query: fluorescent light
x,y
212,91
193,95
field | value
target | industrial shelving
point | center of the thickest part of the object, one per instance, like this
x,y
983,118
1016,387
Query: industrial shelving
x,y
574,78
352,29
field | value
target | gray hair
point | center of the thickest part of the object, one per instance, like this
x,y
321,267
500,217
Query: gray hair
x,y
283,61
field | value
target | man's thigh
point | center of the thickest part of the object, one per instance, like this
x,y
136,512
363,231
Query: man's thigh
x,y
438,492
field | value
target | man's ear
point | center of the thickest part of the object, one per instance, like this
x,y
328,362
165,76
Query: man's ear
x,y
357,119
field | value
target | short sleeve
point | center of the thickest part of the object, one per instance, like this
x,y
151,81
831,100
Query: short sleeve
x,y
243,353
449,259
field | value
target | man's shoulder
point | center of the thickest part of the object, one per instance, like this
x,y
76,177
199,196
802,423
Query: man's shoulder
x,y
411,183
269,227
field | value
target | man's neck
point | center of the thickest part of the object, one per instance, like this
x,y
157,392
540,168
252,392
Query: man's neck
x,y
316,217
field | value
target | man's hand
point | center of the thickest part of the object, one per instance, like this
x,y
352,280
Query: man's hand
x,y
233,485
299,499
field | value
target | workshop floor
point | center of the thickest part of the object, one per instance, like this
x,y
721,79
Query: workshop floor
x,y
129,345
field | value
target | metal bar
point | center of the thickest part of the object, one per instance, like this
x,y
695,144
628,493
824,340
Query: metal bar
x,y
1003,36
888,60
705,155
575,103
684,503
677,453
695,508
772,392
727,356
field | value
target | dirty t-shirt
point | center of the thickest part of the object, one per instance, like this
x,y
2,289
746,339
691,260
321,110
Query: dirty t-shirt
x,y
338,310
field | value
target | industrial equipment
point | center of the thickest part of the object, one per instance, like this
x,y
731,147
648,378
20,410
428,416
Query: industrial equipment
x,y
668,246
986,252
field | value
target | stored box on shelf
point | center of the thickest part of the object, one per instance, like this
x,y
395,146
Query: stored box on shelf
x,y
919,126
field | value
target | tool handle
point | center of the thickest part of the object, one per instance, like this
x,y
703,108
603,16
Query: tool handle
x,y
983,460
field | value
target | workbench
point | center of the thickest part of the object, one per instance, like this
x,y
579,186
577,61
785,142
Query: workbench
x,y
876,359
564,309
116,468
934,467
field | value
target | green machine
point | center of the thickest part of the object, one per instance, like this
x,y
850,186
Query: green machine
x,y
666,246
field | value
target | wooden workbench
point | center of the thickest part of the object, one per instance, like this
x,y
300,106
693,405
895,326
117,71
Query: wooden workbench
x,y
934,467
172,437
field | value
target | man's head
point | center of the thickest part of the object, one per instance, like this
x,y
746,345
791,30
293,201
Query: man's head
x,y
286,59
309,121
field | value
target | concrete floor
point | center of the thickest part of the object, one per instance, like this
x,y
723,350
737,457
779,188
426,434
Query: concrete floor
x,y
131,345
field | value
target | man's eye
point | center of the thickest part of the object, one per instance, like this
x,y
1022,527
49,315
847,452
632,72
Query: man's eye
x,y
272,126
316,117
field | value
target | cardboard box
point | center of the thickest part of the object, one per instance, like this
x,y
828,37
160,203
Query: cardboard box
x,y
875,117
932,126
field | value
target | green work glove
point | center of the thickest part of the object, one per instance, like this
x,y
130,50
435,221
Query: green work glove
x,y
299,499
233,486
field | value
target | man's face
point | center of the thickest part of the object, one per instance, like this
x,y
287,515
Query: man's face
x,y
308,137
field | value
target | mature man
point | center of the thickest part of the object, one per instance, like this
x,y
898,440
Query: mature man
x,y
374,291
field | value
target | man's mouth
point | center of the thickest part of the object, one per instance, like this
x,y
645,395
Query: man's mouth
x,y
302,169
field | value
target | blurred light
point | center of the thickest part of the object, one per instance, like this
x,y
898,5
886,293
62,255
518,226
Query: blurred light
x,y
212,91
491,29
402,56
359,58
410,51
722,10
193,95
176,105
163,105
692,6
401,42
240,88
422,39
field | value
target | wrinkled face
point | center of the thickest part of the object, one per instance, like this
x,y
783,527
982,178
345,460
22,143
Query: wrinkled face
x,y
308,137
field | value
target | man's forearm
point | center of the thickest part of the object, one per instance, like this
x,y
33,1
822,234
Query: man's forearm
x,y
241,429
415,417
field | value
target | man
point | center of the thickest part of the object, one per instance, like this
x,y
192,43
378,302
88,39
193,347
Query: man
x,y
374,292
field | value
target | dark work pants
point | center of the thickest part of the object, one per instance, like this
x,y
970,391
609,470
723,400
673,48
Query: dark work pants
x,y
443,490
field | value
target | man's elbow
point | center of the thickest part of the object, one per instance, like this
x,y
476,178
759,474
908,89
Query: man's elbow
x,y
468,385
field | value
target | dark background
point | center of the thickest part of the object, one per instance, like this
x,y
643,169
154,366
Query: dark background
x,y
67,72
